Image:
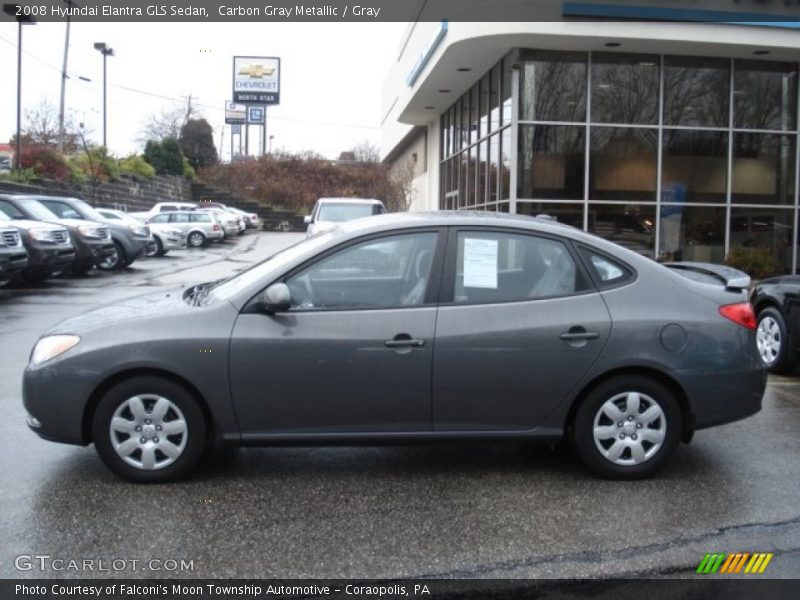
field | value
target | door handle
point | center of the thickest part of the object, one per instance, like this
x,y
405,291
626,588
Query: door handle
x,y
583,335
409,343
403,340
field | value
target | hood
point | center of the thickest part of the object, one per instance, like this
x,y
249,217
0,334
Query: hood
x,y
132,309
28,224
75,223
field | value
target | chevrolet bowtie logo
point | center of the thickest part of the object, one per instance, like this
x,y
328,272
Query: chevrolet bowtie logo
x,y
257,71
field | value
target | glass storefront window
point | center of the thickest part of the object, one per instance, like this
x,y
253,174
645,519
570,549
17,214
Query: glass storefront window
x,y
551,162
763,168
623,164
553,86
695,166
481,194
629,225
625,88
693,233
464,186
764,95
768,232
464,122
483,93
564,212
696,91
506,93
473,114
505,164
494,166
494,99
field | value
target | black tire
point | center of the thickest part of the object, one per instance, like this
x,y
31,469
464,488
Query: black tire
x,y
147,386
151,250
115,261
784,361
196,239
159,248
583,428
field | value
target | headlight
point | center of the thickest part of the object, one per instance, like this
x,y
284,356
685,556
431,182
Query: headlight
x,y
92,232
140,230
41,235
52,346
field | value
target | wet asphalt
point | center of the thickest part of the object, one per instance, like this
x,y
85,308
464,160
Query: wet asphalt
x,y
480,510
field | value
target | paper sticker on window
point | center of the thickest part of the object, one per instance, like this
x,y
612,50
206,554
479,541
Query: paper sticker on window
x,y
480,263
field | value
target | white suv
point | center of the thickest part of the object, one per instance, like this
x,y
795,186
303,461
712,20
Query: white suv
x,y
329,211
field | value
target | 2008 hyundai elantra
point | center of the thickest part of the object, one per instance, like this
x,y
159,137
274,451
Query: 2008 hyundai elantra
x,y
410,327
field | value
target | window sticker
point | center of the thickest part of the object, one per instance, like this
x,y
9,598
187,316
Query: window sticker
x,y
480,263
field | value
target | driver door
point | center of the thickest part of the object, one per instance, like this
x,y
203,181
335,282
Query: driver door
x,y
354,352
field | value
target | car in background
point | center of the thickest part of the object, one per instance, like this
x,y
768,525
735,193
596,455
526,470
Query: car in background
x,y
231,224
198,226
49,248
162,207
330,211
776,302
120,216
242,216
13,256
431,326
130,240
91,239
5,163
251,220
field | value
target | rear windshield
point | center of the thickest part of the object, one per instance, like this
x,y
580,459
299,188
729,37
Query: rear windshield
x,y
339,212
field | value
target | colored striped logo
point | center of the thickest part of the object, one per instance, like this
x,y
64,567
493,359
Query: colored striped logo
x,y
741,562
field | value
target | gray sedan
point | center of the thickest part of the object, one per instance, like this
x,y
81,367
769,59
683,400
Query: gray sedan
x,y
409,327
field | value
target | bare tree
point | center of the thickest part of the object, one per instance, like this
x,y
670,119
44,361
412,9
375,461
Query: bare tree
x,y
168,122
366,152
41,128
401,179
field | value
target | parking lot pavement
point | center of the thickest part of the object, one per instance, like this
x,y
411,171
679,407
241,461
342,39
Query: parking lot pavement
x,y
444,510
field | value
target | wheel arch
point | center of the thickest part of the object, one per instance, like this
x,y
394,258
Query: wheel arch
x,y
687,416
112,380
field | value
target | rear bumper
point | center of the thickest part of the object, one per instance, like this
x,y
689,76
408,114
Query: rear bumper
x,y
718,397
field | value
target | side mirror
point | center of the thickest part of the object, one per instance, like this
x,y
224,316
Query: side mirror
x,y
307,219
276,298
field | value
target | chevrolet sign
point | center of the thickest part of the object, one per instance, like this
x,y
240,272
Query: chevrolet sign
x,y
256,79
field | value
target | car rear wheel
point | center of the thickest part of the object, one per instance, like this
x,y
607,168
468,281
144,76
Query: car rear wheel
x,y
196,239
771,341
149,430
627,427
159,248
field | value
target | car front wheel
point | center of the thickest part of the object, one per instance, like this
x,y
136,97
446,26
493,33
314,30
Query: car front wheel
x,y
149,430
771,341
627,427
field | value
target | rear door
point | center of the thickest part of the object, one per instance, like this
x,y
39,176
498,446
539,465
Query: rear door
x,y
519,325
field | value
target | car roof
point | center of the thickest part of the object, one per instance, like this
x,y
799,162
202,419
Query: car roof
x,y
349,201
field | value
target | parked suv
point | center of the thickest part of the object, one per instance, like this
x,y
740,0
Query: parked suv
x,y
91,239
50,251
329,211
130,241
198,226
13,257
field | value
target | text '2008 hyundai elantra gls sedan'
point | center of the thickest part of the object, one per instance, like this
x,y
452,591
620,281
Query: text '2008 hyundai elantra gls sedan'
x,y
410,327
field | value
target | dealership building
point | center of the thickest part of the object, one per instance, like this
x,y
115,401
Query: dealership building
x,y
676,139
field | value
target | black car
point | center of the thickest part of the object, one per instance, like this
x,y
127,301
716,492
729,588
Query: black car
x,y
49,248
91,240
776,302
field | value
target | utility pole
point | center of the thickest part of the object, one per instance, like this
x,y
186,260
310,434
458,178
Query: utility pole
x,y
11,10
69,4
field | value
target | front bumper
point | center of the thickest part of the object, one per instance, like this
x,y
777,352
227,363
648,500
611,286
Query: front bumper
x,y
55,400
173,242
90,252
50,258
12,262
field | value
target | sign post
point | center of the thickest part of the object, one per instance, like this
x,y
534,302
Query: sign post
x,y
256,84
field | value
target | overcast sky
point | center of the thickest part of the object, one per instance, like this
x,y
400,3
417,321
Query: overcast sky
x,y
332,77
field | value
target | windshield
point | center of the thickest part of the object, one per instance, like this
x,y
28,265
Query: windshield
x,y
37,210
4,216
339,212
231,286
87,211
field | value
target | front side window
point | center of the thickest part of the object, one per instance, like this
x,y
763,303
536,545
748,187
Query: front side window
x,y
179,218
508,267
159,219
389,272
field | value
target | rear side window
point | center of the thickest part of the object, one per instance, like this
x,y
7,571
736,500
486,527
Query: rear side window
x,y
179,218
508,267
167,208
607,271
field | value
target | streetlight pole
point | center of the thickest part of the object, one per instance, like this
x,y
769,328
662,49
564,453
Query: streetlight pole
x,y
11,10
106,52
69,4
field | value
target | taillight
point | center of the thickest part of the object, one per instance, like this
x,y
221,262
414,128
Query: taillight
x,y
741,314
216,227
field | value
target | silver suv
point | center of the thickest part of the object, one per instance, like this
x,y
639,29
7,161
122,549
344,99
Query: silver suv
x,y
200,227
330,211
